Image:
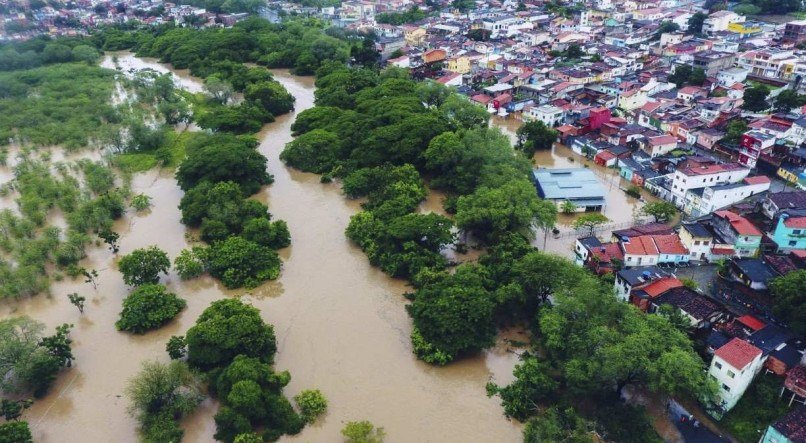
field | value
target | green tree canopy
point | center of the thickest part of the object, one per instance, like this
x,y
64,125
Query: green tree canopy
x,y
238,262
148,307
489,212
226,329
661,210
159,395
224,157
144,265
535,136
789,295
455,315
755,98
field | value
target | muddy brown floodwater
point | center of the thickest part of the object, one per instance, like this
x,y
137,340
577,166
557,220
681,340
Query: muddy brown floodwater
x,y
621,209
341,325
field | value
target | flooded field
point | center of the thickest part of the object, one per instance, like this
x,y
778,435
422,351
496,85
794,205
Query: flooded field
x,y
340,324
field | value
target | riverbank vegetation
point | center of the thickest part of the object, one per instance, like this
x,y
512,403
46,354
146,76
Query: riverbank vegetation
x,y
148,307
161,394
233,350
384,136
43,50
30,361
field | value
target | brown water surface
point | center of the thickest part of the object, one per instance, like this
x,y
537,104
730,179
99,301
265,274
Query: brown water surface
x,y
620,209
341,325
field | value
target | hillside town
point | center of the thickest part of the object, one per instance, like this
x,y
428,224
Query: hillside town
x,y
693,103
701,109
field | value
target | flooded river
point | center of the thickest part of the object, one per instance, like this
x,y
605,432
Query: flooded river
x,y
341,325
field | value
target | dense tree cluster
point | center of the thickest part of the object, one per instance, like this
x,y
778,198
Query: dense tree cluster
x,y
592,345
161,394
411,15
380,132
232,344
148,307
302,45
219,173
31,362
45,51
229,6
380,158
790,299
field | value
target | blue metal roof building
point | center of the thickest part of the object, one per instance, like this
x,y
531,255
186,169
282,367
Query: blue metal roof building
x,y
577,185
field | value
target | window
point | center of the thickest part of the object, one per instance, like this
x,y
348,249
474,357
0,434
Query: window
x,y
696,242
718,365
731,374
796,232
725,387
793,243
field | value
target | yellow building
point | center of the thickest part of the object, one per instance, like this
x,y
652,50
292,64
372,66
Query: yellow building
x,y
788,176
459,64
413,35
745,28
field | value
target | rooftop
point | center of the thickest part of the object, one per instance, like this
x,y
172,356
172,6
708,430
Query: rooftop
x,y
712,169
689,301
642,245
738,353
568,184
755,269
669,244
662,285
740,224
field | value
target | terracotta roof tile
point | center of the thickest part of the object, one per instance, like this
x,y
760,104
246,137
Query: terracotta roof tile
x,y
751,322
795,222
662,285
738,353
642,245
669,244
739,223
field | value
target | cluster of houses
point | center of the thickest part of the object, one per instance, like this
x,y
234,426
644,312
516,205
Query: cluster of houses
x,y
22,20
606,78
601,77
734,314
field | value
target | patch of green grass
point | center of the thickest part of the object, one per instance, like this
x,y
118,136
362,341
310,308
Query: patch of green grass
x,y
135,162
168,156
758,408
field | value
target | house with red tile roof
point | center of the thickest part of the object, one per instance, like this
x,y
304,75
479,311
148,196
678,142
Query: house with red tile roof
x,y
737,232
671,249
660,145
639,251
790,230
734,366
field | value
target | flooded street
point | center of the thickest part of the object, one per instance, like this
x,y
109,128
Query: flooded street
x,y
621,209
341,325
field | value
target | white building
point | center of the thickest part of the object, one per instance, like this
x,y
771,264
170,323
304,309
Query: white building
x,y
771,63
550,115
701,201
731,76
640,251
505,26
719,21
684,180
734,366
